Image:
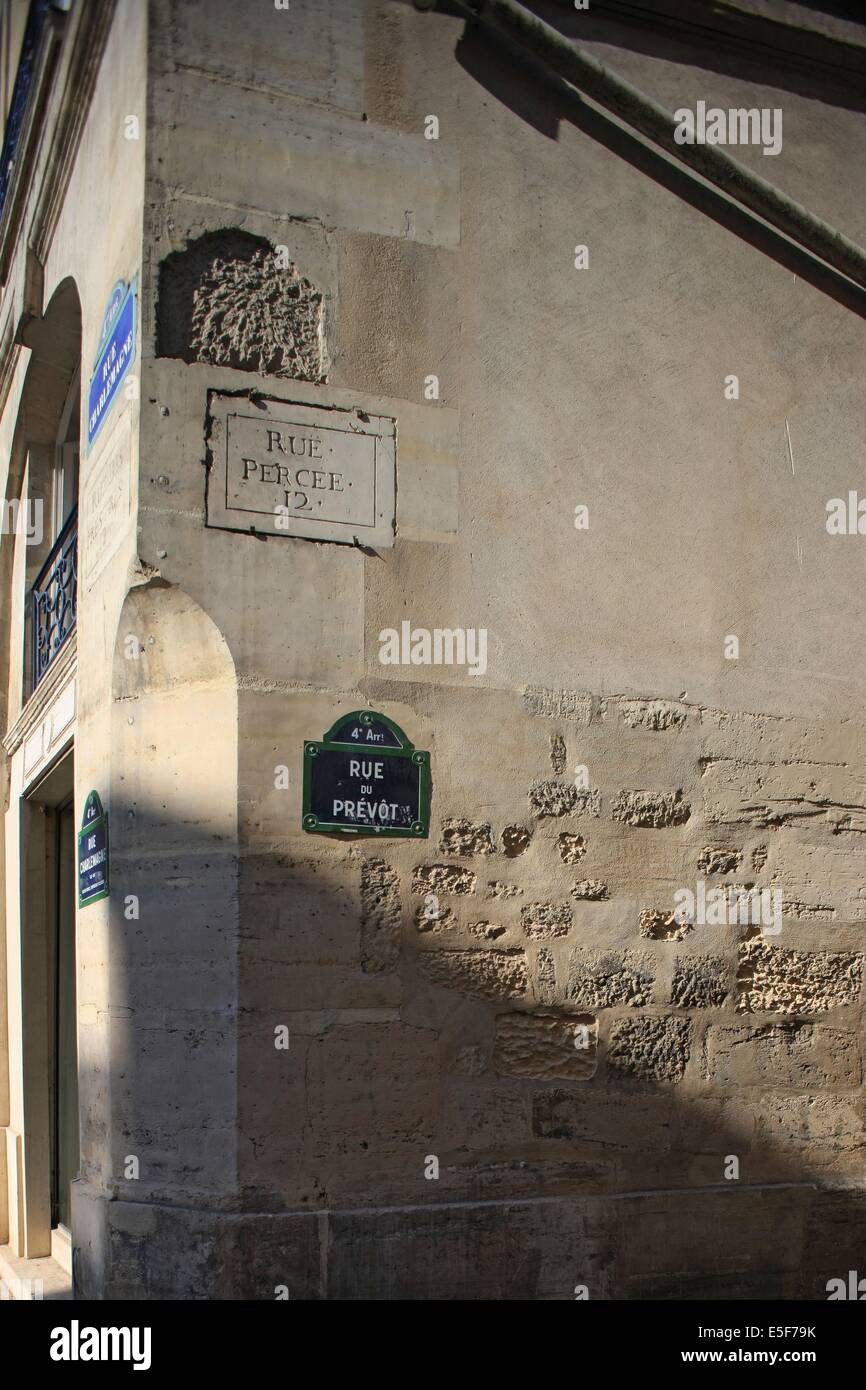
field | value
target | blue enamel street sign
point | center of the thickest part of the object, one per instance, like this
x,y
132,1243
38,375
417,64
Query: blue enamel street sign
x,y
116,352
93,853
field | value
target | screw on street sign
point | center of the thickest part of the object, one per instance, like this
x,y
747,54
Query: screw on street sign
x,y
366,778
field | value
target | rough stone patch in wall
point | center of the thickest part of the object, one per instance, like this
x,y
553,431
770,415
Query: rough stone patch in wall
x,y
550,798
443,878
650,1049
558,704
228,300
700,982
546,919
434,917
546,971
713,860
590,890
546,1045
773,979
516,840
653,714
462,837
493,974
661,925
572,848
806,1055
558,754
602,980
759,857
809,911
653,810
380,917
787,792
742,902
488,931
497,889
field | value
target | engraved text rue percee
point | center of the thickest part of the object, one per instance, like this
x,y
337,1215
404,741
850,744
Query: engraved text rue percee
x,y
286,469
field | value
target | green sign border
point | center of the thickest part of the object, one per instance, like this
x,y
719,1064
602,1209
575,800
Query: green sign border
x,y
86,830
418,830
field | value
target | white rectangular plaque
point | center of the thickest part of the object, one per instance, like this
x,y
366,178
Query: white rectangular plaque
x,y
286,469
103,518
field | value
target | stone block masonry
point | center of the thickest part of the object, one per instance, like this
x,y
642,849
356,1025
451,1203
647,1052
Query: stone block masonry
x,y
509,1069
772,979
515,997
694,1040
650,1049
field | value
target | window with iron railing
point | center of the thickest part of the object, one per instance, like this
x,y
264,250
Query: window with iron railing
x,y
54,599
54,593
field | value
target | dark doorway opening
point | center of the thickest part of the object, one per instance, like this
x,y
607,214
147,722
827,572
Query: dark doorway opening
x,y
65,1143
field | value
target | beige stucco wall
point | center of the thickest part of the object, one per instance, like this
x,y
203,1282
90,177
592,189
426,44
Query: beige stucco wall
x,y
310,1167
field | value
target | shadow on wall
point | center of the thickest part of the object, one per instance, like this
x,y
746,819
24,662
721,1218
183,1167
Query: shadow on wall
x,y
309,1166
157,1087
539,97
744,45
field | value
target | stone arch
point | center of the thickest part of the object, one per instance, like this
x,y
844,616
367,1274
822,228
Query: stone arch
x,y
54,341
173,928
174,724
179,646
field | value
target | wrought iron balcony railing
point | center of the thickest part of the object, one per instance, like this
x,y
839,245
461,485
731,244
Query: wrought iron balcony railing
x,y
55,599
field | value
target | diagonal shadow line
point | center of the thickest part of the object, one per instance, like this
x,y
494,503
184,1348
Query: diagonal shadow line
x,y
726,40
490,56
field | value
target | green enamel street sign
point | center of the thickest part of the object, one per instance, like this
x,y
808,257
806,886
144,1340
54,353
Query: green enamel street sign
x,y
366,778
93,853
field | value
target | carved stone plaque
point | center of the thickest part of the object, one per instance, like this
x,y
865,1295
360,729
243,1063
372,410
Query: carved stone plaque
x,y
285,469
103,516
